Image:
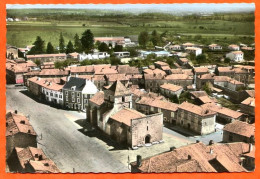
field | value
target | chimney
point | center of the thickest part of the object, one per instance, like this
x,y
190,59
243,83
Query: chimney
x,y
29,131
189,157
197,141
139,160
250,147
15,111
40,157
46,164
36,155
211,142
172,148
211,151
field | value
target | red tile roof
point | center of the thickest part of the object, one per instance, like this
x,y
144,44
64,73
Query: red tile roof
x,y
114,77
240,128
98,98
171,87
249,102
166,105
161,63
196,109
178,77
46,55
125,116
17,123
201,70
46,83
119,89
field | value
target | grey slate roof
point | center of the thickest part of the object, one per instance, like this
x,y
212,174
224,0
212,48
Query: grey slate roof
x,y
78,82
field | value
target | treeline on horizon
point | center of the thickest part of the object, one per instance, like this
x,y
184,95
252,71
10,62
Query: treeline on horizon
x,y
82,14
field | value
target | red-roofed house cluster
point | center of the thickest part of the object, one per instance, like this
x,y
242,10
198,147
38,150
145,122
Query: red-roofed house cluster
x,y
22,154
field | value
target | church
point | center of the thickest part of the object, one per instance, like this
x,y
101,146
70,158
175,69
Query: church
x,y
111,111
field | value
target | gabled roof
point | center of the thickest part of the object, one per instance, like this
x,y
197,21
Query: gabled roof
x,y
98,98
171,87
249,102
119,89
154,102
240,128
125,116
196,109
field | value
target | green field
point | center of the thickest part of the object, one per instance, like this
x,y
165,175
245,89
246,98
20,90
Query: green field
x,y
227,29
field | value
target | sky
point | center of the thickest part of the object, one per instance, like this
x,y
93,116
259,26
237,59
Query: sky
x,y
210,7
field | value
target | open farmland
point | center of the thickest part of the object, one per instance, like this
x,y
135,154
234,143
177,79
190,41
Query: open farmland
x,y
23,33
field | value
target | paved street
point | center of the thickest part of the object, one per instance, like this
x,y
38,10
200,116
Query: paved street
x,y
69,146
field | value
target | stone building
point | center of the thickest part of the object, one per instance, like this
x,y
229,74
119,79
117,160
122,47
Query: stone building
x,y
196,118
169,90
111,111
11,52
239,131
19,132
248,106
30,160
203,79
77,92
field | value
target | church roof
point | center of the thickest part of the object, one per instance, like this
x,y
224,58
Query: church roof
x,y
119,89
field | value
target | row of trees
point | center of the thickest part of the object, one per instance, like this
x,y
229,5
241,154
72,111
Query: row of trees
x,y
144,39
85,43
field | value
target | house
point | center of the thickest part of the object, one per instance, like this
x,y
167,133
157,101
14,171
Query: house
x,y
11,52
30,160
128,70
16,69
46,73
237,56
182,61
225,71
233,47
111,78
186,45
73,55
47,57
215,47
197,157
148,105
196,118
224,115
169,90
175,47
194,50
144,54
122,54
228,83
111,111
48,89
248,106
183,80
153,81
93,56
47,65
77,92
204,79
19,132
200,71
113,41
239,131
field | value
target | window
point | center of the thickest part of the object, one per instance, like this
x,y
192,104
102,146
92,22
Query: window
x,y
78,100
159,110
73,99
60,96
47,93
51,94
85,101
78,94
66,92
147,128
67,98
152,109
123,99
73,94
56,95
172,114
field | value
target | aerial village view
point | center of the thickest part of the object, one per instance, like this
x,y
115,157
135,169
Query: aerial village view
x,y
140,88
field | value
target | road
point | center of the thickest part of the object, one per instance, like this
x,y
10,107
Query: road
x,y
71,148
61,140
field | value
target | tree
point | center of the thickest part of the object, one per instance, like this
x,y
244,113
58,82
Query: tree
x,y
103,47
143,38
227,60
133,52
155,39
175,99
61,44
207,88
38,46
50,48
115,61
69,48
77,44
118,48
87,41
202,58
37,62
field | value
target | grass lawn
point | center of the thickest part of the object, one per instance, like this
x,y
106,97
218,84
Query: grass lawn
x,y
228,104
